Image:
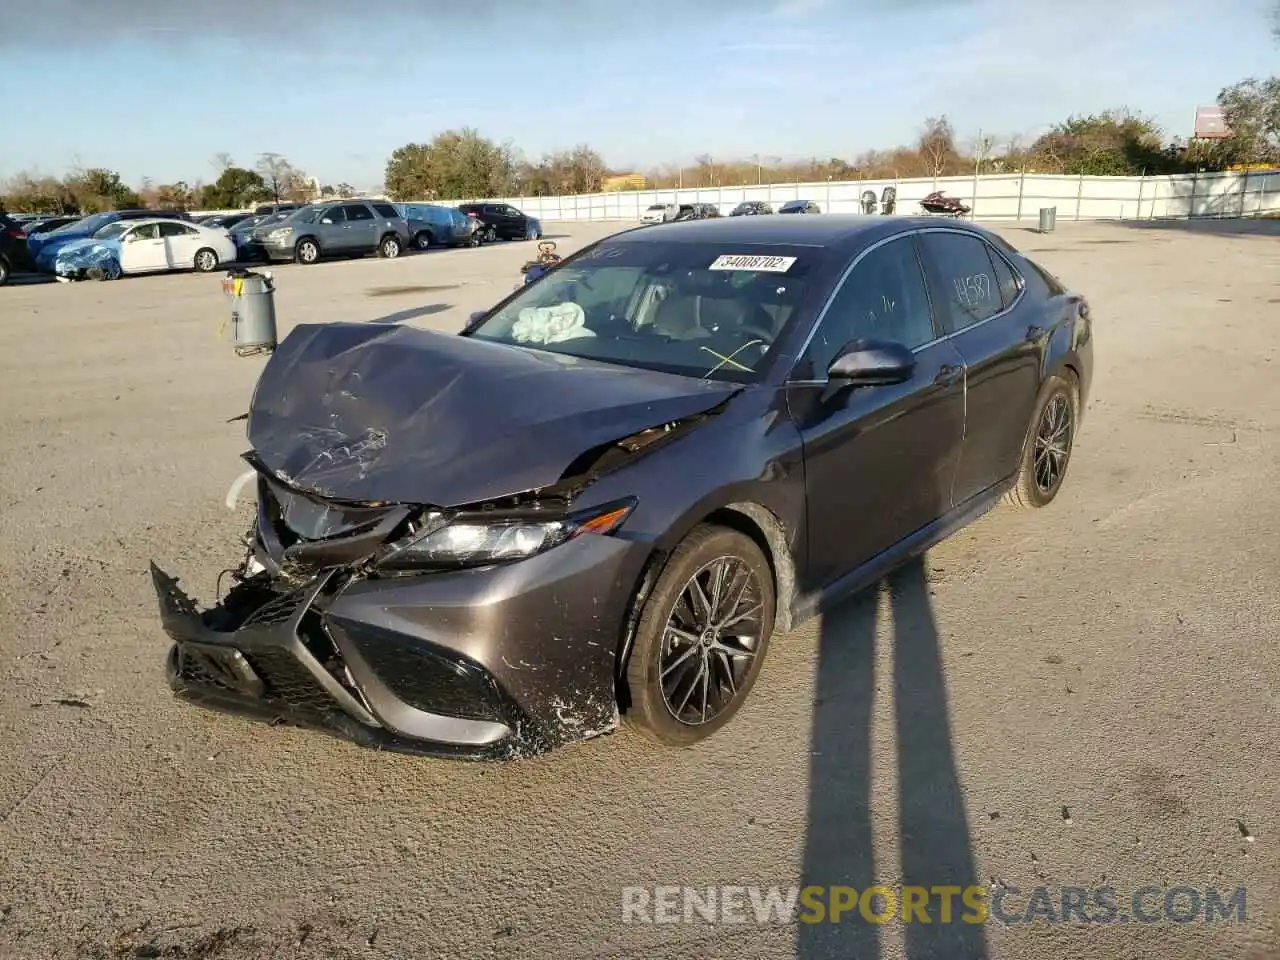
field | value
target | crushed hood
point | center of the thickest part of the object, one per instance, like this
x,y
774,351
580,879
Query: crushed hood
x,y
390,413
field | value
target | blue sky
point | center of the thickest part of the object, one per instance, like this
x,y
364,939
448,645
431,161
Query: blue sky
x,y
155,88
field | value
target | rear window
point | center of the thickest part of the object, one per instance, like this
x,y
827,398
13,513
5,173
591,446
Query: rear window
x,y
386,210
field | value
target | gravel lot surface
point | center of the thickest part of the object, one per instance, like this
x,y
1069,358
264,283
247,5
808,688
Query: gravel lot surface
x,y
1083,696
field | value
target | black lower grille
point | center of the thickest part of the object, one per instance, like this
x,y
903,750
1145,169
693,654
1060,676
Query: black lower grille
x,y
426,679
286,679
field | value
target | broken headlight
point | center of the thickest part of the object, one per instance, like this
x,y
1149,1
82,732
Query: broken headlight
x,y
472,541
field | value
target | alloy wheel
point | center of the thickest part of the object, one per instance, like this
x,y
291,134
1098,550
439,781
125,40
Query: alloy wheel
x,y
1052,443
712,635
206,261
308,252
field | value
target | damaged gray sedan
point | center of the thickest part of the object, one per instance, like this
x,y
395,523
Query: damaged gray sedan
x,y
604,497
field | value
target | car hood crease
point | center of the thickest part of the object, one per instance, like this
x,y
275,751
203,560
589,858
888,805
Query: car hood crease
x,y
375,413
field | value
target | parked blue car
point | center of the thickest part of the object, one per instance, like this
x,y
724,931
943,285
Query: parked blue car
x,y
44,247
431,225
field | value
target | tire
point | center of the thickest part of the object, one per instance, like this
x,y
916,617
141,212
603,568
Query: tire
x,y
1041,471
672,712
389,247
307,251
205,261
491,235
4,271
422,240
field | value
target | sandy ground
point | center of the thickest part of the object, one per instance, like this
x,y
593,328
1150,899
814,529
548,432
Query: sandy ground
x,y
1083,696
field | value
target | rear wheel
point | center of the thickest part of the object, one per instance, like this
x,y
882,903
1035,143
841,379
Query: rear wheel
x,y
701,638
1050,438
4,271
206,260
389,247
307,251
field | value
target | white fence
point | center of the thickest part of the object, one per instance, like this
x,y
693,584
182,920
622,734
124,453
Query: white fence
x,y
995,197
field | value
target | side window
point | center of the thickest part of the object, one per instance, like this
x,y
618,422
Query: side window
x,y
175,230
884,298
969,286
357,212
386,210
334,215
148,231
1040,282
1009,283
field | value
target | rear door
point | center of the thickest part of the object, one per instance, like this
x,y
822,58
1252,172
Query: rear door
x,y
1002,339
361,231
181,243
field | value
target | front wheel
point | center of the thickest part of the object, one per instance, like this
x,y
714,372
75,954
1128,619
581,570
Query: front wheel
x,y
389,248
702,637
307,251
4,271
422,240
206,261
1047,449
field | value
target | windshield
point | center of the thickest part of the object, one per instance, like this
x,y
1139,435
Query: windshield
x,y
658,206
244,226
701,310
88,224
301,215
112,230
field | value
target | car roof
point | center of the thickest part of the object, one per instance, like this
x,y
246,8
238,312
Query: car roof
x,y
827,230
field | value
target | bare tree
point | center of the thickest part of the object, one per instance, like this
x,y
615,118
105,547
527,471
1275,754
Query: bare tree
x,y
277,173
937,145
980,149
222,162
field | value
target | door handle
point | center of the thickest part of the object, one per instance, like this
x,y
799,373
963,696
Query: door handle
x,y
948,373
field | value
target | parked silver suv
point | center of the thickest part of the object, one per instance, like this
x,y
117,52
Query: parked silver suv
x,y
339,228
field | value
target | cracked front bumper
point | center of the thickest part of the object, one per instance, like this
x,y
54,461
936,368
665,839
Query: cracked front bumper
x,y
493,663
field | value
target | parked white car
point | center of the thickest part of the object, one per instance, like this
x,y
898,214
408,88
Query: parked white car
x,y
660,213
146,246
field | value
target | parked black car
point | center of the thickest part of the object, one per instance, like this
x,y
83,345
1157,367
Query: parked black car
x,y
799,206
498,542
15,257
751,208
47,224
504,222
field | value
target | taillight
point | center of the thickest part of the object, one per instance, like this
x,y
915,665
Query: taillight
x,y
17,233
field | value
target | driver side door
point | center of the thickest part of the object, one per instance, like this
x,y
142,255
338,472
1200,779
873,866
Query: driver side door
x,y
879,460
142,249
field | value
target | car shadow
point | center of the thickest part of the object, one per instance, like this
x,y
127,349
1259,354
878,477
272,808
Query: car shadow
x,y
932,822
413,313
29,279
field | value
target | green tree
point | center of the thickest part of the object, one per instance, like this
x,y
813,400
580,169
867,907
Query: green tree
x,y
455,165
1251,109
1112,143
98,189
235,189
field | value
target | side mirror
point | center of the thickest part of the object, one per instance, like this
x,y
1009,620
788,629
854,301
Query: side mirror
x,y
871,363
474,320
